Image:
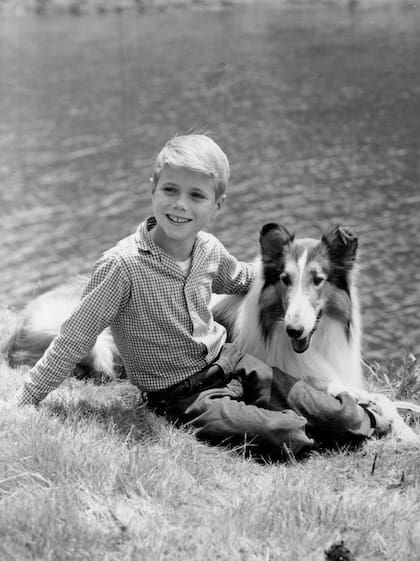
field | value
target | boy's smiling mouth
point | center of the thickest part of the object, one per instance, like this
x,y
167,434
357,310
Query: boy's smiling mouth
x,y
177,219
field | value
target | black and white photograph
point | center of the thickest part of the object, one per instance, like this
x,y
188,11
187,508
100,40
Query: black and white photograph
x,y
210,280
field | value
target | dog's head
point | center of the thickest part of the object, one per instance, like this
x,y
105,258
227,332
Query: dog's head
x,y
305,278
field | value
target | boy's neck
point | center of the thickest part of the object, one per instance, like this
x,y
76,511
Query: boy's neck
x,y
179,251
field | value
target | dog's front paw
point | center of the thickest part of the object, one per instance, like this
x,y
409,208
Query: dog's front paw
x,y
359,395
335,388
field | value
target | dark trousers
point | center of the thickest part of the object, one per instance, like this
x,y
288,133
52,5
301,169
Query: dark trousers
x,y
240,399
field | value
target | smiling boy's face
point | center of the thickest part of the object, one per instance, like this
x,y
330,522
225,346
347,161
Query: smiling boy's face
x,y
184,202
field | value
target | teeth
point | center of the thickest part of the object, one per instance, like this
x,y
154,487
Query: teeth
x,y
177,219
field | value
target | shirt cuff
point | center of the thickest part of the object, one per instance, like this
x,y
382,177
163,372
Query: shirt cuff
x,y
24,397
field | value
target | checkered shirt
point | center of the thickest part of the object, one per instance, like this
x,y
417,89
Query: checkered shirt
x,y
158,314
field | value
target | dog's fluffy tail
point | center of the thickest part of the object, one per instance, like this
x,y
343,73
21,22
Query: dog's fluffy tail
x,y
103,357
39,323
23,346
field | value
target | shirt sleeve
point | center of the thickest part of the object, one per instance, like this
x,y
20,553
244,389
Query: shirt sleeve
x,y
233,276
106,294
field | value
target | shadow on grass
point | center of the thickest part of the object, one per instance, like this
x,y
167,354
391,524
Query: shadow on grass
x,y
134,423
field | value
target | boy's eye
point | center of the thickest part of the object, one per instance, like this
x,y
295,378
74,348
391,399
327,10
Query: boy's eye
x,y
169,190
198,196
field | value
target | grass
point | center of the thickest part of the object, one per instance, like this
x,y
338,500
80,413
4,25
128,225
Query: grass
x,y
93,475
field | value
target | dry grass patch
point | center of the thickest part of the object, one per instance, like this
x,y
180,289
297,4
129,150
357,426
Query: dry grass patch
x,y
93,475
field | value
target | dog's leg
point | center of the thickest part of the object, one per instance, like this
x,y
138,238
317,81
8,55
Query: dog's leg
x,y
399,428
386,407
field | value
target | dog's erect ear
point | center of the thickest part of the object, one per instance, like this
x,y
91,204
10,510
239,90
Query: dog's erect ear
x,y
341,244
273,239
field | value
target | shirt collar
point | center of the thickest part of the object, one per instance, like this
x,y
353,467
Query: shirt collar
x,y
143,238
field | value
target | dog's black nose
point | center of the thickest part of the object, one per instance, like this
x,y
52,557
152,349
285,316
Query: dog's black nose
x,y
294,332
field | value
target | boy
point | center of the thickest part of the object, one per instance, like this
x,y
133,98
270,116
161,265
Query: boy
x,y
153,289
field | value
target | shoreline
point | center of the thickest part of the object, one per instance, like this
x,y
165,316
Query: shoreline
x,y
91,7
100,7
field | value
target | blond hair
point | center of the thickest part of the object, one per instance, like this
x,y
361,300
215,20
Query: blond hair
x,y
198,153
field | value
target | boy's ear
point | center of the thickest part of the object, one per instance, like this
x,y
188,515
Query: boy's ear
x,y
220,202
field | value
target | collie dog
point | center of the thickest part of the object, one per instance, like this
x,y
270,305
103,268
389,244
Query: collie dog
x,y
301,314
302,311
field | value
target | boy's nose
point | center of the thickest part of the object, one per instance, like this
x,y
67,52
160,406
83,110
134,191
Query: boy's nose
x,y
181,202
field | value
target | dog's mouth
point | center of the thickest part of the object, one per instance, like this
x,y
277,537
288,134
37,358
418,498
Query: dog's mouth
x,y
301,345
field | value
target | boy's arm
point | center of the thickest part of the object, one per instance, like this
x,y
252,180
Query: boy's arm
x,y
106,293
233,276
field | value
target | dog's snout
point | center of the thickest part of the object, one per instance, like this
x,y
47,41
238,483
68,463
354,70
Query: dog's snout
x,y
294,332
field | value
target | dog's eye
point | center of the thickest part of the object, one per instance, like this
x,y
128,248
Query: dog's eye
x,y
285,279
318,280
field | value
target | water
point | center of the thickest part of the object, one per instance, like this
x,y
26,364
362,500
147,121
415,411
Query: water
x,y
317,108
